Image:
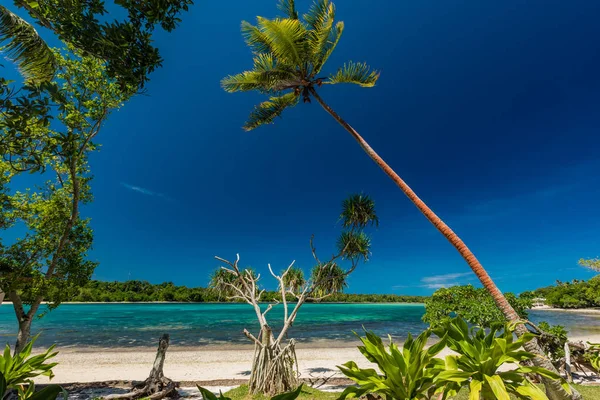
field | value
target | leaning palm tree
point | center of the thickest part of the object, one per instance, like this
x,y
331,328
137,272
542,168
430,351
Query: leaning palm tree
x,y
22,44
289,55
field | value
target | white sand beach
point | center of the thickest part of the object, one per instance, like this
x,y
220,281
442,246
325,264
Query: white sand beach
x,y
84,365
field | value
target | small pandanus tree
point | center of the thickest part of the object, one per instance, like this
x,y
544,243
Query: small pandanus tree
x,y
275,368
289,55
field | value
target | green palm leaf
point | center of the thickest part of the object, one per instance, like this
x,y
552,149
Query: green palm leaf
x,y
22,44
255,38
289,8
320,19
357,73
285,37
267,111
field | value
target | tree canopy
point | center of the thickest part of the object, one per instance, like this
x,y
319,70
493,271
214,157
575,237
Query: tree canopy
x,y
474,305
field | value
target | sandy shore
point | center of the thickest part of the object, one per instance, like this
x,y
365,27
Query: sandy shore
x,y
205,364
201,364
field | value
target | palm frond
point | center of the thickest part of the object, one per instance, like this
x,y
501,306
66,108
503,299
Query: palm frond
x,y
357,73
289,8
320,19
255,38
330,46
23,45
267,111
285,37
265,78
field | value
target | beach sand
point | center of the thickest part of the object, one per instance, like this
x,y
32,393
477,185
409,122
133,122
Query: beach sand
x,y
202,364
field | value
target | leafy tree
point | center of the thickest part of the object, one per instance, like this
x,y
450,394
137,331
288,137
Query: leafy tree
x,y
593,264
273,365
575,294
51,257
289,56
125,45
475,305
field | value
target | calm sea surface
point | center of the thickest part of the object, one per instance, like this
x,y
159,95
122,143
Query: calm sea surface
x,y
128,325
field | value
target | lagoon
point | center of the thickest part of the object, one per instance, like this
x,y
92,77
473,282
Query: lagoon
x,y
118,325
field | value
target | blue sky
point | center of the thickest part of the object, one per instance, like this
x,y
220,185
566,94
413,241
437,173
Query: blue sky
x,y
489,110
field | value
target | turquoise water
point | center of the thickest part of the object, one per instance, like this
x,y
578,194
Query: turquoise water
x,y
128,325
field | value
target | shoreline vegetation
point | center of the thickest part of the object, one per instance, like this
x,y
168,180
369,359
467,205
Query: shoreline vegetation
x,y
135,291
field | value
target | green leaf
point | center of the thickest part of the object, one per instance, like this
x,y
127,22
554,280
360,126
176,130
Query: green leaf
x,y
266,112
531,392
475,389
497,385
357,73
2,385
207,394
24,46
289,8
289,395
50,392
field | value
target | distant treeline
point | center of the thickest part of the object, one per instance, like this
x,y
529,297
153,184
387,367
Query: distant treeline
x,y
139,291
574,294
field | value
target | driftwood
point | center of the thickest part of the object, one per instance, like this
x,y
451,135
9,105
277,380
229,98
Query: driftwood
x,y
156,386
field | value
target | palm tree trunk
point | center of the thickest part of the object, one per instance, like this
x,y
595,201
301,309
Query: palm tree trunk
x,y
555,391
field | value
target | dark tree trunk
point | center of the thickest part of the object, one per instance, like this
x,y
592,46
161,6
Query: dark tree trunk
x,y
553,388
23,335
156,386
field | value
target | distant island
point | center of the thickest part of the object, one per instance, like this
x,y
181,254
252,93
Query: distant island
x,y
143,291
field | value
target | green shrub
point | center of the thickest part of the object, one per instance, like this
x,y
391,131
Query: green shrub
x,y
481,354
593,355
407,374
20,368
17,371
475,305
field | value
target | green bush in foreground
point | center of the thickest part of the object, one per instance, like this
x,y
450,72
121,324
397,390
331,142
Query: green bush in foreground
x,y
20,368
17,372
414,373
480,356
410,373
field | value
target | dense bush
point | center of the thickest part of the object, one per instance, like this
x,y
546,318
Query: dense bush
x,y
138,291
475,305
574,294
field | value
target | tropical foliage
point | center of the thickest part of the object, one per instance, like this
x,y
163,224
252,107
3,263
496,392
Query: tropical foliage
x,y
289,55
17,372
125,45
480,357
593,355
592,263
51,256
139,291
574,294
273,365
409,373
475,305
477,365
208,395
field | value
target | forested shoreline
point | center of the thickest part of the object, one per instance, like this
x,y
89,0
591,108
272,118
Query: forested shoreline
x,y
143,291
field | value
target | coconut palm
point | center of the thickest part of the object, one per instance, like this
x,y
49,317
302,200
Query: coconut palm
x,y
22,44
289,55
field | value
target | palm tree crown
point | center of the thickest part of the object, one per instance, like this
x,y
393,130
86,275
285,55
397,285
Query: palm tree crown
x,y
289,54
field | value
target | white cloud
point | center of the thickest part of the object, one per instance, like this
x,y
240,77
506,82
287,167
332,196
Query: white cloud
x,y
445,280
145,191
